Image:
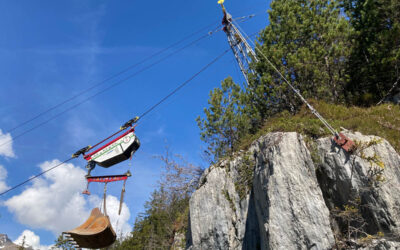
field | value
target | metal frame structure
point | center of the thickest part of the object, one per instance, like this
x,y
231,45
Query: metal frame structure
x,y
243,52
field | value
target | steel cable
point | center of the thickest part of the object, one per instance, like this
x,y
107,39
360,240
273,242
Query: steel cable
x,y
108,79
104,90
35,176
143,114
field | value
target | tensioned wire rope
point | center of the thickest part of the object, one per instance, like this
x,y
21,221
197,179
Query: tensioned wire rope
x,y
104,90
240,19
36,176
115,84
113,76
295,90
125,70
150,109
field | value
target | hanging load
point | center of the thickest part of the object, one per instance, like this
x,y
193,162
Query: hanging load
x,y
95,232
114,151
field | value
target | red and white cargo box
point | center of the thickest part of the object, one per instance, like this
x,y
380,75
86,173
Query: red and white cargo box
x,y
115,151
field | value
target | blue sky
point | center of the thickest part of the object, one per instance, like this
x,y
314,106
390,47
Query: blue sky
x,y
51,50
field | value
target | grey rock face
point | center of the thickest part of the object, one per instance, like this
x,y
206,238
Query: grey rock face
x,y
286,201
179,241
289,203
382,245
217,217
284,209
344,177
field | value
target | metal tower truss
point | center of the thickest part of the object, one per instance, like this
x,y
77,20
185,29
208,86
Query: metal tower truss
x,y
243,52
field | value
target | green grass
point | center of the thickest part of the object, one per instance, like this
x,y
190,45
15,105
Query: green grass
x,y
382,121
229,199
244,181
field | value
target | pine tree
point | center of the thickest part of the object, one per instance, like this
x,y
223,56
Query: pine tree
x,y
308,42
374,64
226,119
63,244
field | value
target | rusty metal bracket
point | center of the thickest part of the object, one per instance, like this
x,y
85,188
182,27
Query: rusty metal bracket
x,y
344,142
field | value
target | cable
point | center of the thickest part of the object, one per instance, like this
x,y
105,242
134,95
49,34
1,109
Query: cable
x,y
144,114
238,73
115,84
183,84
250,16
240,19
390,91
296,91
36,176
108,79
104,90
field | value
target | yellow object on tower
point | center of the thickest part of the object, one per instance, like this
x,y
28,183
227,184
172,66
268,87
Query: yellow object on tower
x,y
221,1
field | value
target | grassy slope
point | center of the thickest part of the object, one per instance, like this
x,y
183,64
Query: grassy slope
x,y
383,121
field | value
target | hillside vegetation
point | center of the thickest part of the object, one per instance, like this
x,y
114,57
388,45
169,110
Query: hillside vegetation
x,y
167,211
344,53
382,121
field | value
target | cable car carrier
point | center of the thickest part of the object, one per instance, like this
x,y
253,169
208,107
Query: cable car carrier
x,y
96,231
112,152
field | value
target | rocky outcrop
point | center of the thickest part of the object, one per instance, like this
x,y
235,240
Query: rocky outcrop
x,y
344,177
289,203
283,209
276,196
217,216
381,245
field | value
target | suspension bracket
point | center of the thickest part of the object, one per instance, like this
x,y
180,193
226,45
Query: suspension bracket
x,y
344,142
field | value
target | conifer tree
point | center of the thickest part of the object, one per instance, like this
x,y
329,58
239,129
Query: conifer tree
x,y
226,119
62,243
308,42
374,64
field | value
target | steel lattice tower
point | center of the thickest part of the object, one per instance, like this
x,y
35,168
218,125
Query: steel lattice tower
x,y
241,49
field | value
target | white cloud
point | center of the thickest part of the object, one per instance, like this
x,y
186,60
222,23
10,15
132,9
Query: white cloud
x,y
6,142
30,239
3,177
54,202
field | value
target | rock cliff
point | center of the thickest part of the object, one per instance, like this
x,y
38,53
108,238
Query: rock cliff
x,y
7,244
285,194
